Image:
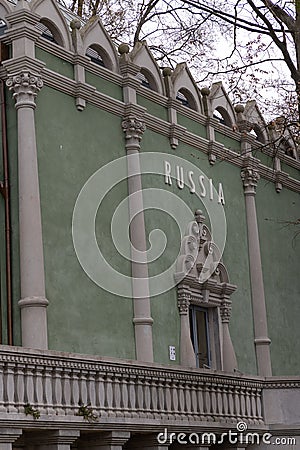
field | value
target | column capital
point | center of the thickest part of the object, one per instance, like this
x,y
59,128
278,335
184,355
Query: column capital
x,y
184,300
133,128
250,177
25,86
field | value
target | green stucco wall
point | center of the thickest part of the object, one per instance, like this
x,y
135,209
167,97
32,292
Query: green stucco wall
x,y
81,316
229,143
235,255
104,86
153,108
192,125
55,63
280,243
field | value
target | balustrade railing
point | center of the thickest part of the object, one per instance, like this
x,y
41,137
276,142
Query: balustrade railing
x,y
57,384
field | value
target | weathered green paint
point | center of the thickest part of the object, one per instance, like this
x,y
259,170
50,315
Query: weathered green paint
x,y
192,125
235,255
294,173
280,241
55,63
104,86
153,108
228,142
81,316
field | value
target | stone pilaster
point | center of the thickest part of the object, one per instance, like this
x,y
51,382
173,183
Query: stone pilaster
x,y
262,342
229,363
134,128
187,352
24,86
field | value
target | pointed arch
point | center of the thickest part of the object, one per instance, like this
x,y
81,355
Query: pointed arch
x,y
5,9
253,115
142,57
53,19
94,36
219,101
184,83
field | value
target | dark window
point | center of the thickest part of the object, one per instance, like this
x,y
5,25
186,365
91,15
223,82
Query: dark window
x,y
183,99
46,33
200,335
95,56
144,81
3,27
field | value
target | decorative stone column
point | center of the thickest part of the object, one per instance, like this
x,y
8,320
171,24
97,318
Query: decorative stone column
x,y
229,363
187,352
25,85
134,128
262,342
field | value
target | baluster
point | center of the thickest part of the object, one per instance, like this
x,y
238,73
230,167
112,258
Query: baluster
x,y
83,387
214,402
57,390
231,403
2,396
248,405
188,403
140,397
147,395
109,394
253,405
48,393
66,382
29,386
9,387
20,392
124,395
200,402
117,396
207,402
132,396
154,397
174,393
194,402
91,388
225,400
181,404
38,387
259,408
220,406
242,403
100,394
160,397
237,403
75,397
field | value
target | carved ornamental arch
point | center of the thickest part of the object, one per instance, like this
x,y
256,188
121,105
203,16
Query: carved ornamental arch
x,y
198,252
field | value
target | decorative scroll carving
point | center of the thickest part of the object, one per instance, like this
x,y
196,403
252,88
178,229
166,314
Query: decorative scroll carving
x,y
25,87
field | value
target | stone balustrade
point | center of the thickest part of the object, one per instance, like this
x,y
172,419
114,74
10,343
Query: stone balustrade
x,y
56,384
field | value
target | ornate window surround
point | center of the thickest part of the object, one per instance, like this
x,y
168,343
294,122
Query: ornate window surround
x,y
213,294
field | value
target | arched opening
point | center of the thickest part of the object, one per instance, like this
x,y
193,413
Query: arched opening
x,y
146,79
222,116
3,26
99,56
186,99
50,32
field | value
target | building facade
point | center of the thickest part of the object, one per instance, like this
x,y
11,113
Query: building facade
x,y
148,260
